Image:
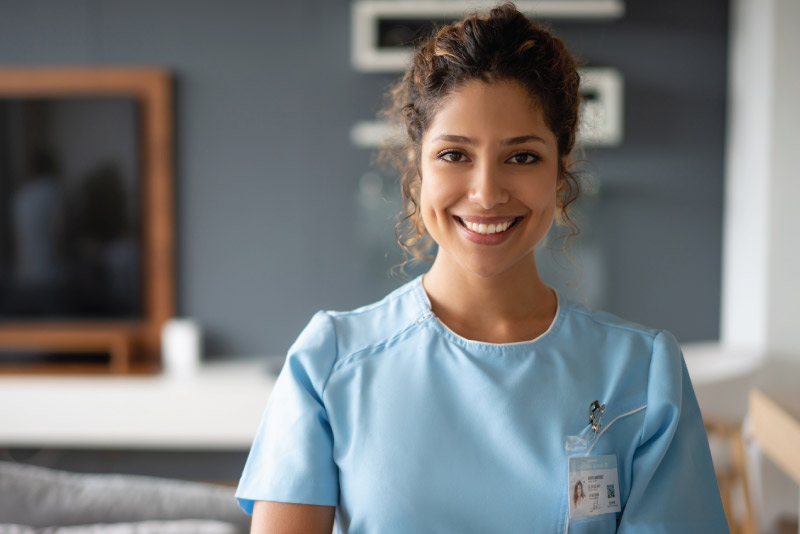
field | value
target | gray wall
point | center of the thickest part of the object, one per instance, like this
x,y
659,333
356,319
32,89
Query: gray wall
x,y
269,224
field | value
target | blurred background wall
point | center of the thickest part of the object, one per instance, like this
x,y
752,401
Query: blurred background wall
x,y
272,220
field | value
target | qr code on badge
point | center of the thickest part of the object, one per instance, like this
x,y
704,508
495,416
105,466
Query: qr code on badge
x,y
610,489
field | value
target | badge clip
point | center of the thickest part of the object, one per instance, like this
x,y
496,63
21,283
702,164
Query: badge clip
x,y
596,411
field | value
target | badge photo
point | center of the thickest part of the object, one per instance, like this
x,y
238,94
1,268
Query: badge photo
x,y
593,485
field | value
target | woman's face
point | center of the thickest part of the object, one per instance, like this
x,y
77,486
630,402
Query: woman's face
x,y
489,167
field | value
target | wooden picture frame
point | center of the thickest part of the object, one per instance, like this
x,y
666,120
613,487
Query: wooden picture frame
x,y
133,345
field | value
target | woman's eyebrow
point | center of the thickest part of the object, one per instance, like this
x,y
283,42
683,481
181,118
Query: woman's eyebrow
x,y
521,139
504,142
455,139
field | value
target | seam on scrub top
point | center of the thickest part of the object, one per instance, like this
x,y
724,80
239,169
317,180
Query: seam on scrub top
x,y
333,364
647,390
517,346
562,306
354,357
421,296
370,307
606,427
366,309
591,317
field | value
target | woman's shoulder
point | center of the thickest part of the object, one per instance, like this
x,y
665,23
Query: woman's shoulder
x,y
592,318
367,326
403,300
600,329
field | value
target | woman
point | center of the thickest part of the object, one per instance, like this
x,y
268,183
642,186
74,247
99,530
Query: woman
x,y
446,406
577,494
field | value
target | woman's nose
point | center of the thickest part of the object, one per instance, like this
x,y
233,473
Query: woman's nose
x,y
487,189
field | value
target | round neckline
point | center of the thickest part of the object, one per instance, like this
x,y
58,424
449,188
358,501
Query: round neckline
x,y
431,317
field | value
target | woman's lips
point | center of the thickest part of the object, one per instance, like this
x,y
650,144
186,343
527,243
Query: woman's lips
x,y
487,230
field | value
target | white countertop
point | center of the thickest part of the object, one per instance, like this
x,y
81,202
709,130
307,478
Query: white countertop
x,y
217,408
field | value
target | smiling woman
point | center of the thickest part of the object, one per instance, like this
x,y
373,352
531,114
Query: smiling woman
x,y
472,399
489,160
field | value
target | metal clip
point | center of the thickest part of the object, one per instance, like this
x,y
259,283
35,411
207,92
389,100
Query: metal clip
x,y
596,411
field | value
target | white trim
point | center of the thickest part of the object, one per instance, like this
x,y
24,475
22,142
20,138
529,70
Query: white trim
x,y
639,409
556,318
365,15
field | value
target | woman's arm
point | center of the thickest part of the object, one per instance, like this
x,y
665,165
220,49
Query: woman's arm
x,y
291,460
289,518
673,487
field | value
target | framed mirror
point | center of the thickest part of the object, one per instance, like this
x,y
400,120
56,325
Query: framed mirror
x,y
86,218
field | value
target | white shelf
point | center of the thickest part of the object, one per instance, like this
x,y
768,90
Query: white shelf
x,y
367,56
218,408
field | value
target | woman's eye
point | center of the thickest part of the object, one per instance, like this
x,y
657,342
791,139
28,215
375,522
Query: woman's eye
x,y
452,156
524,158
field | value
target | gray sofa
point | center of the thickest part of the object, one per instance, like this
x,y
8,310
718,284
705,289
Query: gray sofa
x,y
36,500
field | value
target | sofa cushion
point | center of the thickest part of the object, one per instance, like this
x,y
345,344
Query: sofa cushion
x,y
41,497
183,526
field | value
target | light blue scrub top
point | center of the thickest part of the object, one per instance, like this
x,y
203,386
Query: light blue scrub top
x,y
408,427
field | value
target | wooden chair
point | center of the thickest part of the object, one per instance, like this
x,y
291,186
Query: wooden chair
x,y
733,474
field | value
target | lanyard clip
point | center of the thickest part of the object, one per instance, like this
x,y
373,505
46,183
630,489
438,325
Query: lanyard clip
x,y
596,411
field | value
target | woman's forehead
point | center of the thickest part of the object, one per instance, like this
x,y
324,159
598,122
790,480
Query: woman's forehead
x,y
489,111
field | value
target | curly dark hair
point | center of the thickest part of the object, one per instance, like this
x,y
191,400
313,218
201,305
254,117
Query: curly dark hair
x,y
502,45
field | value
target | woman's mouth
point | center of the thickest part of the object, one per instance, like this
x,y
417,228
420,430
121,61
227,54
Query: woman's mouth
x,y
489,227
487,230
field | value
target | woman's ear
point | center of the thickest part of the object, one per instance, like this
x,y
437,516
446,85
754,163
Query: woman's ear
x,y
561,183
561,180
563,165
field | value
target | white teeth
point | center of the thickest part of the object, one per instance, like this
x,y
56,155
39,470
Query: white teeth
x,y
487,229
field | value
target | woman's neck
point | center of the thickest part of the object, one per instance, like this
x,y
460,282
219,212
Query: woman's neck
x,y
509,307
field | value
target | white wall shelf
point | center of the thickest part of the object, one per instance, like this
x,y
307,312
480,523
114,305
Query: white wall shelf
x,y
367,16
218,408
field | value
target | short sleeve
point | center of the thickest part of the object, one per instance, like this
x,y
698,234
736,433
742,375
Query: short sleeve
x,y
674,488
291,459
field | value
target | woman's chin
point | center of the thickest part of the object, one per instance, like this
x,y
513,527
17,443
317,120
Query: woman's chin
x,y
488,266
487,270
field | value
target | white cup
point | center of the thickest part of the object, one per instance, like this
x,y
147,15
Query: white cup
x,y
180,347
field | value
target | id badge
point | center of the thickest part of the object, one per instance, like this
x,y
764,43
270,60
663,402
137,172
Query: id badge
x,y
593,486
